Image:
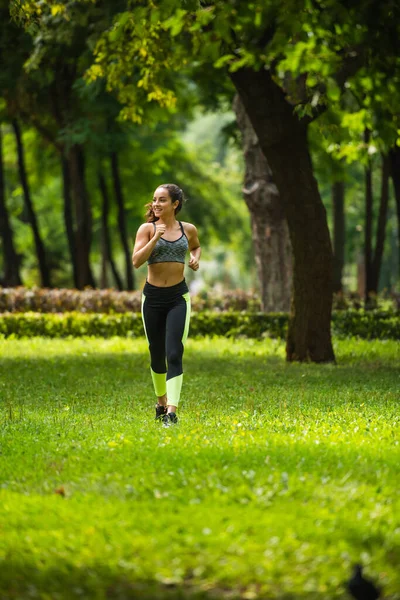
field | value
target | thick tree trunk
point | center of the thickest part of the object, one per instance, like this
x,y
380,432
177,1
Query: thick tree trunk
x,y
395,173
83,217
105,235
40,250
283,140
69,219
11,275
121,220
381,227
268,222
339,234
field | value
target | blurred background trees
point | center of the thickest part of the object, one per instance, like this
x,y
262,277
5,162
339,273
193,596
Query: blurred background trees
x,y
89,129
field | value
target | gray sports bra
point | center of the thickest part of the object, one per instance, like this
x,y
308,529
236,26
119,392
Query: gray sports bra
x,y
166,251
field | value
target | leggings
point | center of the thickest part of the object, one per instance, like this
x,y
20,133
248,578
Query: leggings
x,y
166,316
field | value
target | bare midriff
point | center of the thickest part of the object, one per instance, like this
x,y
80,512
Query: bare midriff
x,y
165,274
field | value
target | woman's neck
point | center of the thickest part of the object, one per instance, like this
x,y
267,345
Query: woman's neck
x,y
169,222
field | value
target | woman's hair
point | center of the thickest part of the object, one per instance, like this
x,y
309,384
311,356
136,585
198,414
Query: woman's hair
x,y
175,193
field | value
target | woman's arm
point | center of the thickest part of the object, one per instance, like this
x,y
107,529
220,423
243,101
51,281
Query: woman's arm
x,y
194,246
143,245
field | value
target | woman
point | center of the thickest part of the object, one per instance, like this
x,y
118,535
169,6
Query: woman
x,y
163,242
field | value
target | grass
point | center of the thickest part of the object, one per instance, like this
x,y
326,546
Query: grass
x,y
277,478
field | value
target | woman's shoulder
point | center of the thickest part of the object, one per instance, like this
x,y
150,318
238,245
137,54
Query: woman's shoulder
x,y
146,227
145,230
188,227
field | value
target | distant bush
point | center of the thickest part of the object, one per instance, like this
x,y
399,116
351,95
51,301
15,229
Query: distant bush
x,y
367,325
42,300
371,324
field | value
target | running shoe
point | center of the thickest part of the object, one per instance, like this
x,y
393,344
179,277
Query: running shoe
x,y
161,411
170,419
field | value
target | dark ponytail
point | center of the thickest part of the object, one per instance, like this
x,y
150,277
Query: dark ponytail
x,y
175,193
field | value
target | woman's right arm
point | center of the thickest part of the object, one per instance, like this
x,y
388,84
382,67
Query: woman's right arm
x,y
144,246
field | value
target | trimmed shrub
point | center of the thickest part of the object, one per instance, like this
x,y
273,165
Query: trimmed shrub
x,y
44,300
110,301
367,325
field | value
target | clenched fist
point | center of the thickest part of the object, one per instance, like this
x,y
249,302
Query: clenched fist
x,y
160,230
193,263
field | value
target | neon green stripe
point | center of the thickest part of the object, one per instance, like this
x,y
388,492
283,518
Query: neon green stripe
x,y
187,320
159,382
174,387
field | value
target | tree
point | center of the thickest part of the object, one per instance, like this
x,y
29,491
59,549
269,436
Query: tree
x,y
30,211
373,258
269,227
11,276
339,232
121,218
107,254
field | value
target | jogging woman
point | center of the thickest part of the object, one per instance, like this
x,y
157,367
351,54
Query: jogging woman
x,y
163,242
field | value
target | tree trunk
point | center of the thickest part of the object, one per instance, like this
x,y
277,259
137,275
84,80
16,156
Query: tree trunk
x,y
339,234
11,276
40,250
83,217
381,226
268,222
369,200
68,218
395,173
106,242
121,220
283,140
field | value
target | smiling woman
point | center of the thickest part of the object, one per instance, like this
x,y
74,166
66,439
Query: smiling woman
x,y
163,242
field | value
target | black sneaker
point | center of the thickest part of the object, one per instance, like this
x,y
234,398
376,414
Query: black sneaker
x,y
161,411
170,419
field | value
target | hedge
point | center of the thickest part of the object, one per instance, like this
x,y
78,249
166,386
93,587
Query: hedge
x,y
367,325
44,300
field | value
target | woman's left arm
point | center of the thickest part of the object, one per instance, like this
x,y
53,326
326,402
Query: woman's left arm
x,y
194,246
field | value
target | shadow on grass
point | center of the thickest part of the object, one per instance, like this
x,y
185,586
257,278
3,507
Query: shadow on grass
x,y
19,582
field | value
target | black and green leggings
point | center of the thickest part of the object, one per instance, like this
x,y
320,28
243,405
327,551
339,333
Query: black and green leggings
x,y
166,316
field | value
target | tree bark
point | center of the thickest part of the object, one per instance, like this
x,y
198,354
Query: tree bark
x,y
40,250
11,275
395,173
69,219
339,234
283,140
105,234
83,217
121,220
268,222
381,227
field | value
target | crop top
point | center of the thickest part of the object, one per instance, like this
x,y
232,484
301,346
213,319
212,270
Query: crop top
x,y
166,251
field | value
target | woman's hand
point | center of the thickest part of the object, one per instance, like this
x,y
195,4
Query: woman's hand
x,y
194,263
160,230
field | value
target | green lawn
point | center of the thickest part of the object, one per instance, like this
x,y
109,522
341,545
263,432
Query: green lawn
x,y
277,478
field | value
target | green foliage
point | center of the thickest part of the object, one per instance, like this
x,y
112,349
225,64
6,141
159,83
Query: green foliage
x,y
279,477
332,48
144,60
365,325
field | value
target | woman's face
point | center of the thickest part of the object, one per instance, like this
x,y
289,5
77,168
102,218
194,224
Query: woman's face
x,y
162,203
